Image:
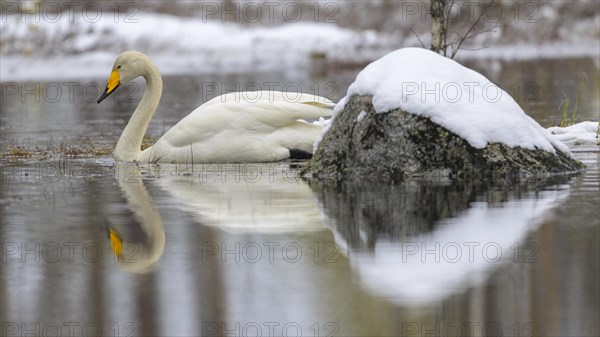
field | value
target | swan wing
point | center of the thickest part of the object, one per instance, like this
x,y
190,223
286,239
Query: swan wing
x,y
268,96
260,116
230,129
274,107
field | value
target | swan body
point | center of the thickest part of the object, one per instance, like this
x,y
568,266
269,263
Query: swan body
x,y
259,126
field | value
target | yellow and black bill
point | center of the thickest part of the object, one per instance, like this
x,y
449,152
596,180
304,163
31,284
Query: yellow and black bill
x,y
116,243
113,83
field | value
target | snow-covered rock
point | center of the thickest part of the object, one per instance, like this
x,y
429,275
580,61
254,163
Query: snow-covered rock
x,y
429,115
463,101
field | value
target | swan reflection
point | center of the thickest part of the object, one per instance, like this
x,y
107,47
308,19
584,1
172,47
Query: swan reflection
x,y
242,198
138,257
411,243
230,199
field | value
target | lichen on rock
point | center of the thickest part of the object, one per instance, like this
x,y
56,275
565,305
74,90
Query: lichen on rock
x,y
398,145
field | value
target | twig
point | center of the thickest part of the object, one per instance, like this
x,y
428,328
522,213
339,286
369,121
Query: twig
x,y
471,28
473,36
475,49
417,36
491,29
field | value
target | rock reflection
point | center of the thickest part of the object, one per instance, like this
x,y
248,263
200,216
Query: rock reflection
x,y
420,242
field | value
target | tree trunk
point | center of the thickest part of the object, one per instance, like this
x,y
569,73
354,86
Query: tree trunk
x,y
438,29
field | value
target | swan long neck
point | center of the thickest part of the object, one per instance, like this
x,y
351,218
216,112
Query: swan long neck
x,y
129,145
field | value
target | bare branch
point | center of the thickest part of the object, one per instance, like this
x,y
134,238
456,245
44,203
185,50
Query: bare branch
x,y
471,28
447,25
491,29
475,49
456,40
417,36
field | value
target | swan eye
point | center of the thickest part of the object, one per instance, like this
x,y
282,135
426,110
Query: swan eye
x,y
119,66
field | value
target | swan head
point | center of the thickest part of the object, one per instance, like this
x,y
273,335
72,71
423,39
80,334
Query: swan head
x,y
127,66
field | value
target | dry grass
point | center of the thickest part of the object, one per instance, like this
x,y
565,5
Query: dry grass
x,y
76,148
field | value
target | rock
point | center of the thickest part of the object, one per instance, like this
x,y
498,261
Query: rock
x,y
397,145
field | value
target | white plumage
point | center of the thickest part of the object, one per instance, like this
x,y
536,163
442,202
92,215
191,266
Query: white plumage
x,y
260,126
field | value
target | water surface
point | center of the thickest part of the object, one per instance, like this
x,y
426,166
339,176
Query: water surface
x,y
255,250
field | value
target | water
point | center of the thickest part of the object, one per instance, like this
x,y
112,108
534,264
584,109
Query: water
x,y
255,250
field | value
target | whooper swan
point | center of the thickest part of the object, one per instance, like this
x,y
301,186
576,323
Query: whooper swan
x,y
261,126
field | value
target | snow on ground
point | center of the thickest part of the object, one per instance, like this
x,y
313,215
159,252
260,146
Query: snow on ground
x,y
581,136
75,48
463,101
548,50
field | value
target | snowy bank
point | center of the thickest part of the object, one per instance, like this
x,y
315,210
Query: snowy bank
x,y
73,47
579,137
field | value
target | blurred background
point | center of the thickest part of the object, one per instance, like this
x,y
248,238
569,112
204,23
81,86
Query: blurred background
x,y
228,36
59,184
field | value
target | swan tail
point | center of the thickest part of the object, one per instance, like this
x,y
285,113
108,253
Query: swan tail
x,y
312,108
300,154
324,109
328,106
